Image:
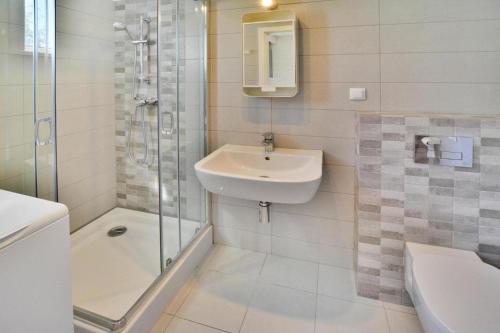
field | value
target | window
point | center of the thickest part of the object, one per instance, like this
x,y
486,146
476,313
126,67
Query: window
x,y
45,42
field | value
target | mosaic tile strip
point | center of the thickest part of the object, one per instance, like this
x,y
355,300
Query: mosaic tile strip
x,y
138,185
399,200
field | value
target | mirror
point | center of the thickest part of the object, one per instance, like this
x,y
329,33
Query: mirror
x,y
270,54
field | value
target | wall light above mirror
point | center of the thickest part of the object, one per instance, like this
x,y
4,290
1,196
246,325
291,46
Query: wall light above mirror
x,y
270,53
269,4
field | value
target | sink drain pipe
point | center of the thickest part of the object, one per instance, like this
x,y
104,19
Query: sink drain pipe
x,y
264,212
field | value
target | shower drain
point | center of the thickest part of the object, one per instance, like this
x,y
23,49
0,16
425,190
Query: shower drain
x,y
117,231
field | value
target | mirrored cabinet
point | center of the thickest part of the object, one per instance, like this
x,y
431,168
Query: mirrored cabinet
x,y
270,53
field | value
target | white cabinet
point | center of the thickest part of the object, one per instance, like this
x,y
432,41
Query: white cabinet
x,y
35,289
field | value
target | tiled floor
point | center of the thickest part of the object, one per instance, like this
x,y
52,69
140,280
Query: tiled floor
x,y
243,291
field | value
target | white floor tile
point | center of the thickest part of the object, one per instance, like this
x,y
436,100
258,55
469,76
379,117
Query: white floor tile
x,y
403,322
234,260
337,282
181,296
339,316
341,283
278,309
218,300
400,308
369,301
291,273
179,325
162,324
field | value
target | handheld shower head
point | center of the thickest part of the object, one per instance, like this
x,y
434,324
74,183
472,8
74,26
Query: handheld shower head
x,y
119,26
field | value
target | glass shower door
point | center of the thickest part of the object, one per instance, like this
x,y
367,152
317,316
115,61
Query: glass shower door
x,y
27,106
182,118
17,171
168,131
44,99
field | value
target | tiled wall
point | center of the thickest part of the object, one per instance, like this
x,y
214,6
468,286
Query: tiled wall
x,y
182,90
344,33
85,108
414,57
438,58
94,77
138,186
400,200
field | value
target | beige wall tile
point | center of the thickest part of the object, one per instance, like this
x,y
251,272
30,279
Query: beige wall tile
x,y
325,205
85,105
233,201
89,210
219,138
338,179
246,120
71,121
336,151
441,37
226,70
312,229
331,96
231,95
78,193
227,21
86,165
441,98
312,14
324,123
92,7
427,56
77,144
335,13
475,67
339,40
82,47
225,46
410,11
11,100
239,217
83,24
340,68
216,5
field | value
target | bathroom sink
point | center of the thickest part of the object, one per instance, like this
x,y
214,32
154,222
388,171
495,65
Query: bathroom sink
x,y
288,176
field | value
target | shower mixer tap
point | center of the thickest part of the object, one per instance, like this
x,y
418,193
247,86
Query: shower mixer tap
x,y
141,76
142,101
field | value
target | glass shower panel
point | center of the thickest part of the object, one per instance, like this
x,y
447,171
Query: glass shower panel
x,y
17,150
182,110
44,106
168,131
192,115
125,258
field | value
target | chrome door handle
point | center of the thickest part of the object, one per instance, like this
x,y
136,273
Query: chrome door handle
x,y
167,131
47,141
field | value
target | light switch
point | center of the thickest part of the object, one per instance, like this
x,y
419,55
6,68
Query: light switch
x,y
357,94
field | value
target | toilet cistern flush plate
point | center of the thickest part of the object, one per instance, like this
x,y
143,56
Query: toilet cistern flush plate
x,y
290,176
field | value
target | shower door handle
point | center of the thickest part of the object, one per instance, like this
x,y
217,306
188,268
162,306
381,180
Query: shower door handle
x,y
48,140
167,130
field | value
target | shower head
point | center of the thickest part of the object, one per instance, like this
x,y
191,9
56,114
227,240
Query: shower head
x,y
118,26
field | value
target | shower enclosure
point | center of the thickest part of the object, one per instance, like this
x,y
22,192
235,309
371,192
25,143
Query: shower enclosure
x,y
107,114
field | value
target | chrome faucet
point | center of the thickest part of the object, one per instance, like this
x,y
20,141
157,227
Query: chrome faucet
x,y
268,142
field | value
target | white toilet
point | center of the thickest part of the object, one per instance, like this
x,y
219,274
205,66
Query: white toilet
x,y
453,290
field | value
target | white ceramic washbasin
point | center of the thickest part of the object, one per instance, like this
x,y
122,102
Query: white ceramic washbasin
x,y
290,176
